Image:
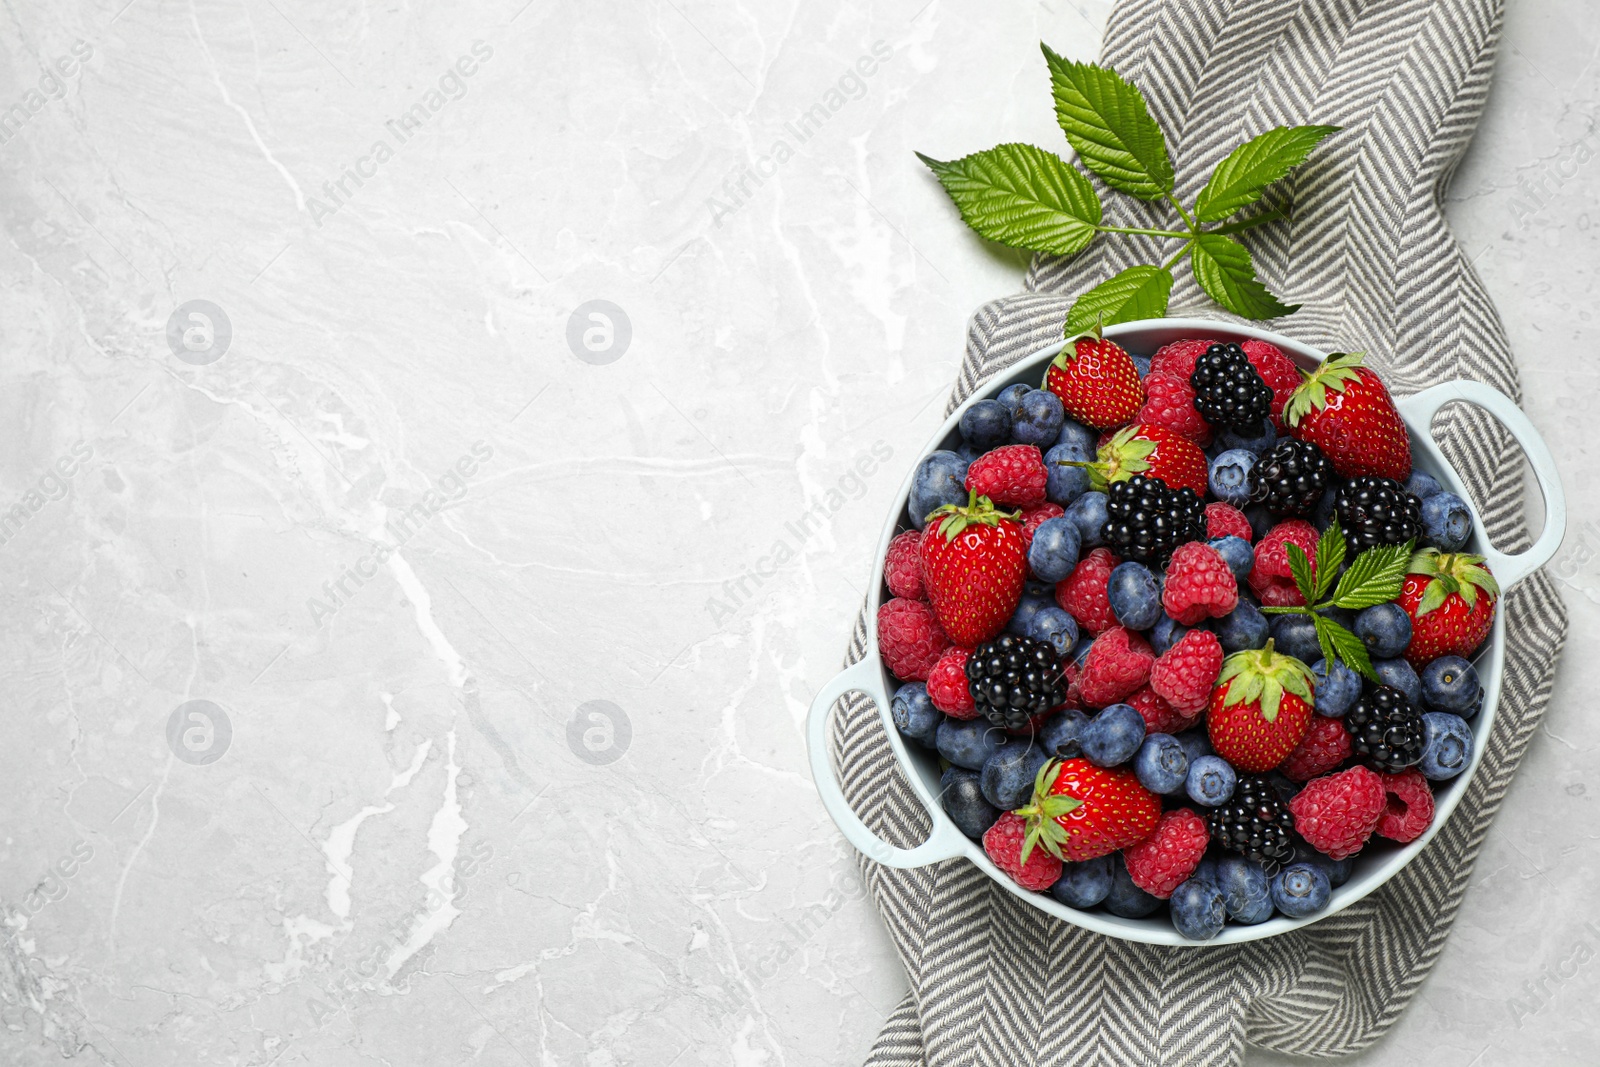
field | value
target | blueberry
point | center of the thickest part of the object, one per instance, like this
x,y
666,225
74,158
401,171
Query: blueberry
x,y
1206,869
1161,765
1385,629
1089,512
1336,688
1322,514
1450,683
1055,627
1197,910
1446,745
1135,597
1237,553
1027,608
1338,871
1112,737
1301,889
1166,633
1079,436
1195,744
1211,780
1243,627
1064,482
1054,551
1230,476
1060,734
1295,635
938,481
1422,486
1080,651
968,743
1011,397
1007,776
1246,889
1258,440
914,714
1446,522
1401,675
1142,365
1083,885
1037,420
1125,898
986,424
1035,588
969,453
1261,520
963,801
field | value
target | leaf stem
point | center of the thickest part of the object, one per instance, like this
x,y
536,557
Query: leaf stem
x,y
1169,264
1147,233
1187,218
1257,220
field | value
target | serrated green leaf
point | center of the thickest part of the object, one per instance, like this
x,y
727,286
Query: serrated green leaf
x,y
1136,293
1022,196
1300,568
1107,122
1323,640
1330,557
1240,179
1348,647
1224,269
1374,578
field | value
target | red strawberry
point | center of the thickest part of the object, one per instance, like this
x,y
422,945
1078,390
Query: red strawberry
x,y
1171,404
1451,598
1080,811
1096,382
1010,474
1344,409
1279,373
1260,709
973,567
1179,357
1154,451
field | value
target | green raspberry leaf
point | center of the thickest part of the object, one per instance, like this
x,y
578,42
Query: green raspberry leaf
x,y
1108,123
1240,179
1374,578
1330,557
1022,196
1136,293
1300,567
1348,647
1224,269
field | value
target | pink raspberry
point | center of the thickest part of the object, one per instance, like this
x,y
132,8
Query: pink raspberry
x,y
1003,843
1011,474
1118,663
1225,520
1170,402
1199,584
902,567
1277,370
1408,806
1032,517
1163,860
1179,358
947,685
1324,747
1270,578
910,639
1337,813
1185,674
1083,592
1159,716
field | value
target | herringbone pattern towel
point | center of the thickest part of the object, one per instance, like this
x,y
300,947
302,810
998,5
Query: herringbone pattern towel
x,y
994,981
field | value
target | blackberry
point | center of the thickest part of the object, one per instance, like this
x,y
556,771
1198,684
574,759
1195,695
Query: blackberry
x,y
1254,822
1385,730
1013,678
1145,520
1372,510
1228,392
1291,478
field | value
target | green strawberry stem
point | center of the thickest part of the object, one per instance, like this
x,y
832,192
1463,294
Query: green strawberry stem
x,y
1043,812
980,511
1452,572
1264,674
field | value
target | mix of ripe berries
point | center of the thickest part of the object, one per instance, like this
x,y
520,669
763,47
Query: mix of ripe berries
x,y
1076,618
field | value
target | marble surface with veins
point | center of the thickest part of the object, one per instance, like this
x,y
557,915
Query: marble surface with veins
x,y
411,418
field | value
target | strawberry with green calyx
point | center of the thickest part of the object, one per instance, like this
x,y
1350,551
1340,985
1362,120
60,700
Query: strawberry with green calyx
x,y
1261,708
1451,598
1096,381
974,561
1345,409
1153,451
1080,811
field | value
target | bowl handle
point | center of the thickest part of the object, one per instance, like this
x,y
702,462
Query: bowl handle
x,y
1418,410
945,842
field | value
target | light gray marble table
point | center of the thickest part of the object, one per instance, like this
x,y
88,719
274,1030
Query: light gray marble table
x,y
406,654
